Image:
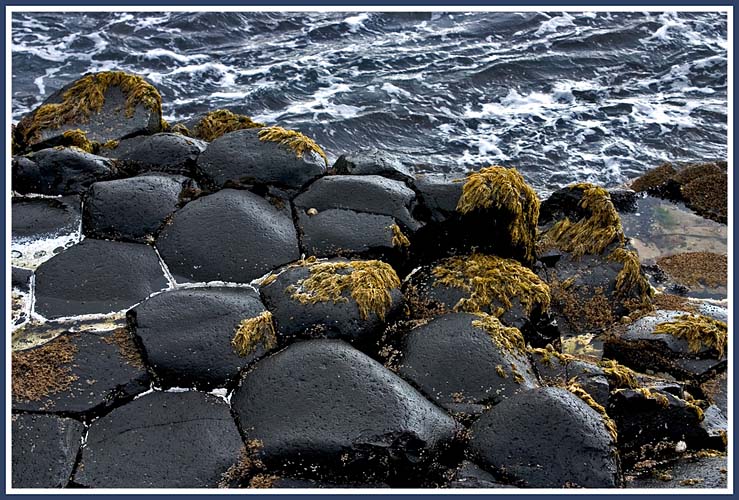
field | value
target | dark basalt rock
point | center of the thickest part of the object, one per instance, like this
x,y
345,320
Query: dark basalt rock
x,y
372,161
161,440
239,157
591,378
231,235
134,209
21,279
546,438
35,218
186,334
693,472
328,319
469,475
44,450
165,152
439,195
434,352
324,408
60,171
624,200
79,374
97,276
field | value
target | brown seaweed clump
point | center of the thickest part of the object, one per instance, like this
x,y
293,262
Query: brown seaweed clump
x,y
367,281
399,240
673,303
216,123
293,139
697,268
591,234
507,338
619,375
699,331
708,196
45,370
581,393
488,278
87,96
506,190
253,331
631,284
654,179
247,463
78,139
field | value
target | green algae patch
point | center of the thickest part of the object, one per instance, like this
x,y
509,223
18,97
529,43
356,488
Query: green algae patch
x,y
506,190
293,139
42,371
488,278
581,393
216,123
399,240
699,331
253,331
367,281
87,96
591,234
507,338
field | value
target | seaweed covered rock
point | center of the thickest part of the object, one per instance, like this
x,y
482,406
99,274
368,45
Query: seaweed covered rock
x,y
166,440
60,171
494,357
332,299
704,274
689,346
78,373
212,125
187,334
273,156
164,152
231,235
364,215
546,438
479,283
371,161
323,409
97,276
105,106
701,470
44,450
134,209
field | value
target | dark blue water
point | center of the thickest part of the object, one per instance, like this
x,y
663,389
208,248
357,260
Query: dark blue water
x,y
562,96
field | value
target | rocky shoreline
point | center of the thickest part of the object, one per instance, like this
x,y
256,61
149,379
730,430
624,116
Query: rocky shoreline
x,y
211,304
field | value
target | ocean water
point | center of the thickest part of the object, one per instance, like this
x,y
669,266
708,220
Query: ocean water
x,y
564,97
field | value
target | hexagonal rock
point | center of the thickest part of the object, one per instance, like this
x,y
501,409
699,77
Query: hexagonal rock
x,y
186,334
78,374
546,438
44,450
371,161
165,152
439,195
325,318
434,352
35,218
161,440
239,157
323,407
97,276
134,209
231,235
60,171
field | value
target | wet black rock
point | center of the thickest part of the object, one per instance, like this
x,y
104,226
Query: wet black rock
x,y
439,195
35,218
231,235
546,438
134,209
692,472
321,319
79,374
469,475
60,171
325,407
21,278
625,200
186,334
372,161
161,440
44,450
241,158
433,354
165,152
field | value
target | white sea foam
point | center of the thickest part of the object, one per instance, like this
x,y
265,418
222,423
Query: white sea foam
x,y
157,53
356,22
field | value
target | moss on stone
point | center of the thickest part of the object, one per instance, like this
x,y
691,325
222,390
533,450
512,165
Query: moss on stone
x,y
696,268
294,140
127,349
654,178
581,393
246,464
695,171
222,121
367,281
507,338
698,331
586,314
254,331
399,240
506,190
45,370
673,303
112,144
619,375
263,481
488,278
661,399
549,353
708,196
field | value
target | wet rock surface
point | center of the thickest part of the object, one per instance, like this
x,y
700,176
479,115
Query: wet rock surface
x,y
164,152
322,403
697,472
97,276
61,171
21,278
186,334
172,440
44,450
44,217
231,235
469,475
134,209
372,161
546,438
